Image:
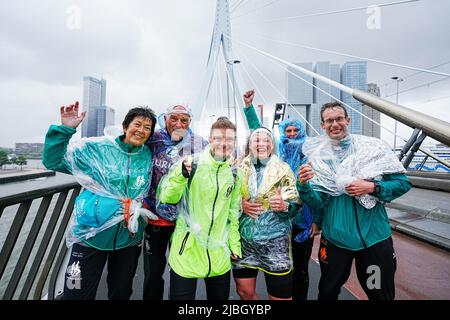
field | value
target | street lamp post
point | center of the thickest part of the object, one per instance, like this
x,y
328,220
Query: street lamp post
x,y
397,79
232,63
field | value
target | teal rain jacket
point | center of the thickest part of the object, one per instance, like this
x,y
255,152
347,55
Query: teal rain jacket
x,y
126,175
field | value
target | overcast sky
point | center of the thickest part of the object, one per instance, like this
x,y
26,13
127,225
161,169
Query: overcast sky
x,y
155,53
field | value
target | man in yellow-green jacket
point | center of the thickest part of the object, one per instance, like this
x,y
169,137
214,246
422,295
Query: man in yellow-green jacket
x,y
206,188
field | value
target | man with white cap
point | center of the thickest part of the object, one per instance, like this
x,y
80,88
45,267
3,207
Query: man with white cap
x,y
168,145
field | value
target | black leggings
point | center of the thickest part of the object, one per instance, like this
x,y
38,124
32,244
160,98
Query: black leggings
x,y
375,268
156,242
217,288
278,286
301,254
85,270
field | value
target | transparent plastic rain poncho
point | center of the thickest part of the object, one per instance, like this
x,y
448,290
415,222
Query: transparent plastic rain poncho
x,y
115,183
265,240
190,209
166,152
337,163
290,149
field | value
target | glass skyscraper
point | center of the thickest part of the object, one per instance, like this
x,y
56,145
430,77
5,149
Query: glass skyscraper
x,y
98,115
326,92
370,128
299,94
308,100
354,75
105,117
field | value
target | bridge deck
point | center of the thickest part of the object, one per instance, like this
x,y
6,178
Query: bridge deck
x,y
314,274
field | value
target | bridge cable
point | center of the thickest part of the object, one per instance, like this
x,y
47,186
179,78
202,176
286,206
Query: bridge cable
x,y
329,12
342,88
232,87
331,96
238,4
416,87
413,74
254,84
357,57
337,99
280,94
222,102
248,12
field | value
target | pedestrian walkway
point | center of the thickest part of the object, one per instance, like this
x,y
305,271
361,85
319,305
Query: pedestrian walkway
x,y
314,273
423,214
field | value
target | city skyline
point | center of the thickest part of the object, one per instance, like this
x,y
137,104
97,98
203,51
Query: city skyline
x,y
308,100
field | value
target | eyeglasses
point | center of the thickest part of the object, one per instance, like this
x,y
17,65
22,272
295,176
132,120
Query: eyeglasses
x,y
183,120
329,122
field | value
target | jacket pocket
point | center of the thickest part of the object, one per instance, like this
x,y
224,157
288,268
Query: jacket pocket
x,y
183,243
93,210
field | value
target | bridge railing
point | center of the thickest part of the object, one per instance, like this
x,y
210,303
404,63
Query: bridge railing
x,y
34,249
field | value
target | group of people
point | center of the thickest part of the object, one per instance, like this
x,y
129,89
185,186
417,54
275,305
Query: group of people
x,y
156,190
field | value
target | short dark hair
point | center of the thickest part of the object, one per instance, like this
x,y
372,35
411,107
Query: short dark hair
x,y
144,112
223,123
332,105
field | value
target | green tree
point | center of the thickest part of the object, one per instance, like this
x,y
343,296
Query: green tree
x,y
3,158
21,161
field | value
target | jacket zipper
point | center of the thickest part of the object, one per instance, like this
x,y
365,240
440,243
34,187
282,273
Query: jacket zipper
x,y
212,220
357,224
183,244
126,191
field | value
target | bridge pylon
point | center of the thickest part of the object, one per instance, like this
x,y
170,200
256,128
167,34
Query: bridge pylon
x,y
221,38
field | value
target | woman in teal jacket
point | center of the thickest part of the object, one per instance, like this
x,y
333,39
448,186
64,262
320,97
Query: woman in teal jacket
x,y
107,222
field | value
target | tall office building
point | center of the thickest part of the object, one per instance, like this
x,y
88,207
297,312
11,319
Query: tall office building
x,y
28,148
262,116
94,103
354,75
370,128
307,99
105,117
300,94
326,92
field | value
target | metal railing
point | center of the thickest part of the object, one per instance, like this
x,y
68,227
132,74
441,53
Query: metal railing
x,y
48,239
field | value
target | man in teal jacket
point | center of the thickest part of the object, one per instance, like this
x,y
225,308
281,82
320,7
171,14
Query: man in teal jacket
x,y
349,230
109,170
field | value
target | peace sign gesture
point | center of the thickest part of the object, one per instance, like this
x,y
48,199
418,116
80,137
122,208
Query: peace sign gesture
x,y
70,117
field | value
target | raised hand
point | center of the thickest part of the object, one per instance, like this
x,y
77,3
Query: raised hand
x,y
248,97
277,204
70,117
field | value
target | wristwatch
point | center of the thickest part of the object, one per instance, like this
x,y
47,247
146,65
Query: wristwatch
x,y
377,188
